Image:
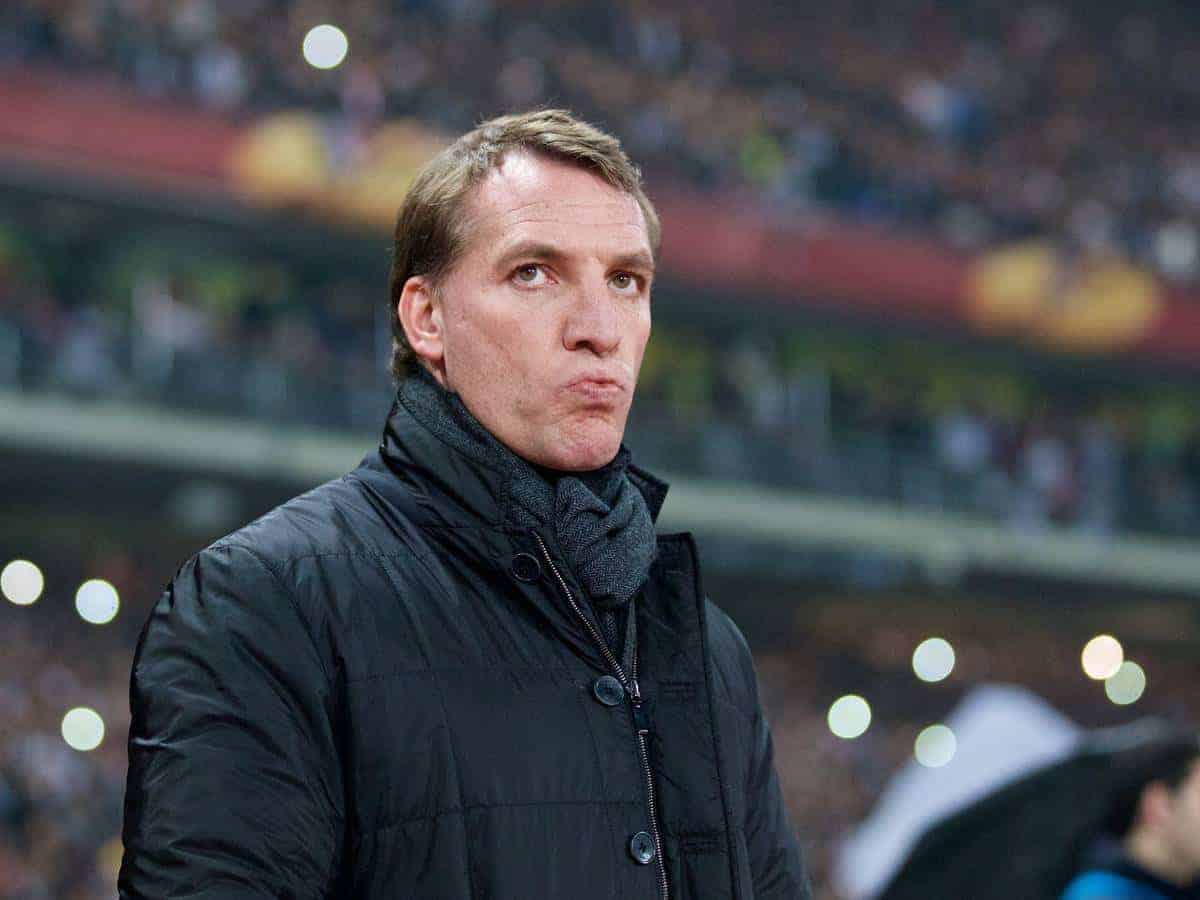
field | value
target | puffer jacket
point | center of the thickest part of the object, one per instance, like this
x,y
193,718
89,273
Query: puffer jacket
x,y
376,690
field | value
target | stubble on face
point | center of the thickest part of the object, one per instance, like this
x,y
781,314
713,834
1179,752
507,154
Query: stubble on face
x,y
533,305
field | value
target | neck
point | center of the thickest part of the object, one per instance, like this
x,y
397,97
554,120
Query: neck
x,y
1150,852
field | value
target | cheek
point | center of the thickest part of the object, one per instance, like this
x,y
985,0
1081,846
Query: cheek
x,y
481,336
640,336
505,352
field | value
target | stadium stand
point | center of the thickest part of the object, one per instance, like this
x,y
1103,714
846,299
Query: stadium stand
x,y
968,126
194,326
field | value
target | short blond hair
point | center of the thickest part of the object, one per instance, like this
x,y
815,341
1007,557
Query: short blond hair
x,y
429,235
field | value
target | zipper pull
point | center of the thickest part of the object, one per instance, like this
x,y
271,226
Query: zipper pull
x,y
641,717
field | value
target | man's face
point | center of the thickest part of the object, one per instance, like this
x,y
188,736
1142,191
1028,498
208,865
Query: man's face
x,y
1182,824
544,318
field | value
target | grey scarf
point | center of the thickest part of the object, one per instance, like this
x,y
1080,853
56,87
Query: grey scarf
x,y
600,518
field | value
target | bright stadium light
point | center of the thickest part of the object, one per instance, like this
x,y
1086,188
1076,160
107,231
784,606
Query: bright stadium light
x,y
1127,684
97,601
82,728
849,716
933,659
935,746
325,46
21,582
1102,656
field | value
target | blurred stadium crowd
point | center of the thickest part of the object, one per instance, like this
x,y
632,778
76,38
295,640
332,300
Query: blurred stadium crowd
x,y
60,808
981,121
881,419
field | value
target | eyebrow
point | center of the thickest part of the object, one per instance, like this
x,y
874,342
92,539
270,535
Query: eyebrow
x,y
638,259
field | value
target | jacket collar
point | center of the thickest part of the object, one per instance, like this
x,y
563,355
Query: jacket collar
x,y
431,467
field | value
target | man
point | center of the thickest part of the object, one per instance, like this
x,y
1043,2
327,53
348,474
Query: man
x,y
1158,856
468,668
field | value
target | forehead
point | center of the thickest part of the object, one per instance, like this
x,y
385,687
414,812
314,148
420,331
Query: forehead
x,y
533,197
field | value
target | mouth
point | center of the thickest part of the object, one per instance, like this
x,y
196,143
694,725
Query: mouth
x,y
598,388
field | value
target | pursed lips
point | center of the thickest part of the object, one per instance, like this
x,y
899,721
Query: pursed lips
x,y
597,386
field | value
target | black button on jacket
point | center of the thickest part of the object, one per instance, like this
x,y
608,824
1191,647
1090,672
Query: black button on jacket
x,y
353,696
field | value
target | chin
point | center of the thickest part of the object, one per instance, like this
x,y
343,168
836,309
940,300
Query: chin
x,y
584,451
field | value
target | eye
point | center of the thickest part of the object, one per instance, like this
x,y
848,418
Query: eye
x,y
530,275
625,282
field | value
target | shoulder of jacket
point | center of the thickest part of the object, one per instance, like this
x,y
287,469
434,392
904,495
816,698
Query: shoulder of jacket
x,y
729,650
331,520
724,636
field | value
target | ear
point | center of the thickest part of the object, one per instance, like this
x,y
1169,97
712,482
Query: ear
x,y
420,311
1155,804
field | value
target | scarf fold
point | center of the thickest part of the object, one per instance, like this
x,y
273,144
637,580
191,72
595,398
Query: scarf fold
x,y
600,518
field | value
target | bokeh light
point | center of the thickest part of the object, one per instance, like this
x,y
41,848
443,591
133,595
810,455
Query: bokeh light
x,y
935,746
1127,684
97,601
1102,656
22,582
325,46
849,716
933,659
82,728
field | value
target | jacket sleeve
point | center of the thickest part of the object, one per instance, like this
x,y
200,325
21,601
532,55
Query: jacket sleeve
x,y
233,788
776,863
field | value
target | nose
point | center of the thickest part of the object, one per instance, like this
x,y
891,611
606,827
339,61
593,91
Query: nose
x,y
594,322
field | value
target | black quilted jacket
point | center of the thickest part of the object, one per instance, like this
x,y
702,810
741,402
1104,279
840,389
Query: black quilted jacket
x,y
378,691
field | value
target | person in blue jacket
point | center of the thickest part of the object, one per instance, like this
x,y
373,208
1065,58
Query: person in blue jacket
x,y
1157,856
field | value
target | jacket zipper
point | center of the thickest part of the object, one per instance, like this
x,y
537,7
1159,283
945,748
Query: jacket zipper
x,y
630,683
